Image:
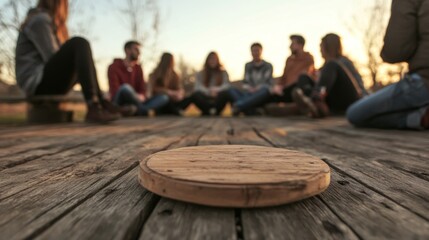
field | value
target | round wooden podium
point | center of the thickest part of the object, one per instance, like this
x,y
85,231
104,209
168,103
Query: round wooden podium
x,y
234,175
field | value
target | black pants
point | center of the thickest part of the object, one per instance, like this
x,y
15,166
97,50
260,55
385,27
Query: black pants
x,y
205,103
73,63
174,108
341,92
304,82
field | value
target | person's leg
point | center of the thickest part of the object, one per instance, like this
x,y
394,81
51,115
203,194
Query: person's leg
x,y
71,64
235,94
221,100
155,103
401,105
254,100
202,102
306,83
126,95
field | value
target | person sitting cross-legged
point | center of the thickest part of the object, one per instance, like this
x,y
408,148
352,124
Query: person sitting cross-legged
x,y
127,84
257,84
211,87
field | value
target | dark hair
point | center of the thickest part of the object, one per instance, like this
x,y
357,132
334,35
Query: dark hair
x,y
129,44
298,38
256,45
332,45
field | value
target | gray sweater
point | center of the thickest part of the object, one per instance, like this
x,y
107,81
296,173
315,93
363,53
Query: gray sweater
x,y
36,44
258,75
200,86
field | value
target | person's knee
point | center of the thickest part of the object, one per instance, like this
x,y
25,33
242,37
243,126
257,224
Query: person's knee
x,y
126,88
80,43
354,114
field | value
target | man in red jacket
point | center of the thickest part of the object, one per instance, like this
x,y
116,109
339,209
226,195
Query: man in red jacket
x,y
127,86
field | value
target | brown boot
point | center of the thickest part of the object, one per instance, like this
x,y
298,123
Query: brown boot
x,y
315,108
97,114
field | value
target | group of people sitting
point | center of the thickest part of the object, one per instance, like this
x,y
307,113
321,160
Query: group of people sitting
x,y
48,62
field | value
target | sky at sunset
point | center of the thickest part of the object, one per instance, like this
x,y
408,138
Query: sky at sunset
x,y
193,28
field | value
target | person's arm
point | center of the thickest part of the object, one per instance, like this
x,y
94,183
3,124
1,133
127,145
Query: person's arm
x,y
268,76
40,31
225,83
141,87
199,85
285,81
400,41
247,78
114,81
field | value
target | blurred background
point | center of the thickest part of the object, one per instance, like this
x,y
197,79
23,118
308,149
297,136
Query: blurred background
x,y
190,29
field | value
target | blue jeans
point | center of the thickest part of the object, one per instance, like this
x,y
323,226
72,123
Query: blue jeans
x,y
126,95
398,106
245,101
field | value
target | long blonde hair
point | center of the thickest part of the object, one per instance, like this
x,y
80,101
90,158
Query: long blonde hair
x,y
58,10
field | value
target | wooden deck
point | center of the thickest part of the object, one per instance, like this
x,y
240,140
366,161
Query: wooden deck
x,y
79,181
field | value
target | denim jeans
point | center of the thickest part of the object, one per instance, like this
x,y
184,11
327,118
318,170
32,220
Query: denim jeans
x,y
245,101
398,106
126,95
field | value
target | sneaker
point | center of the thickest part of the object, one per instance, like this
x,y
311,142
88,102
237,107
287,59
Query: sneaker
x,y
97,114
425,119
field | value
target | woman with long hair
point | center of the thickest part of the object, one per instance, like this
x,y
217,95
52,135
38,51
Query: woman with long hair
x,y
165,81
338,86
211,87
48,62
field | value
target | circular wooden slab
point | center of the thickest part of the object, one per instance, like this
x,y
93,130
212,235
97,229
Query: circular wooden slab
x,y
234,175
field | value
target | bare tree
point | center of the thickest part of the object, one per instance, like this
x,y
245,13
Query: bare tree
x,y
369,25
187,72
142,18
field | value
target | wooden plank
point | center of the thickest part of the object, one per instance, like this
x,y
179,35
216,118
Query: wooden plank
x,y
403,187
178,220
370,203
32,211
34,147
128,206
308,219
25,176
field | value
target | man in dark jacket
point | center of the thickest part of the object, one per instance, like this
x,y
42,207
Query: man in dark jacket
x,y
404,105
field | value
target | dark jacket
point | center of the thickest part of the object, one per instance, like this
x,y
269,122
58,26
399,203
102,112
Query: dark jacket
x,y
407,36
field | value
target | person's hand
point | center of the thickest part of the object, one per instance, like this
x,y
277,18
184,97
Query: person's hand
x,y
142,97
277,90
213,93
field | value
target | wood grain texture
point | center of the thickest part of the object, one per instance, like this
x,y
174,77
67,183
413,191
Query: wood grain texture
x,y
234,175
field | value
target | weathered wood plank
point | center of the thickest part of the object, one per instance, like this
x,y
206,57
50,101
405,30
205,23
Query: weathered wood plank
x,y
372,197
32,211
177,220
308,219
116,212
30,173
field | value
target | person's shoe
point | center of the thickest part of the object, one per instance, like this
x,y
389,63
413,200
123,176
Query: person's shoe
x,y
97,114
235,111
425,120
315,108
111,108
304,103
128,110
